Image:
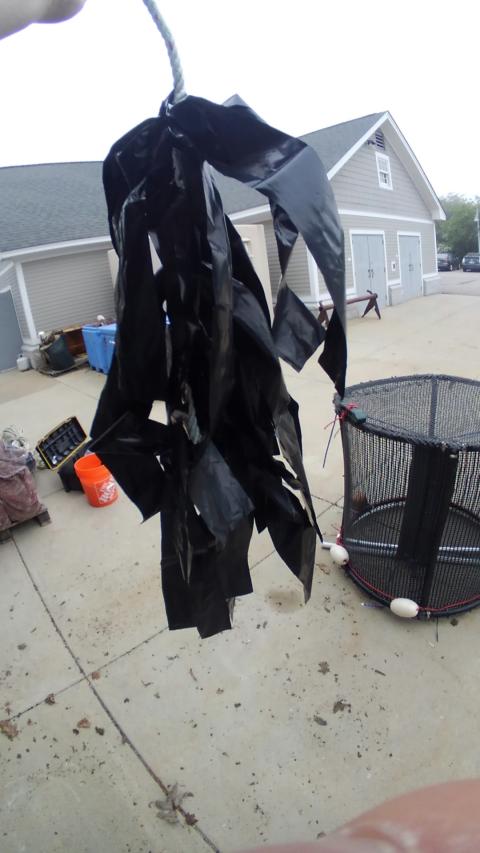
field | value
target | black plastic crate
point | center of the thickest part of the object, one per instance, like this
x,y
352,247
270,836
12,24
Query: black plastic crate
x,y
61,443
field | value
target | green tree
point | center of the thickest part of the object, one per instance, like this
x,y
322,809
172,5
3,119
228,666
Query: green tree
x,y
459,231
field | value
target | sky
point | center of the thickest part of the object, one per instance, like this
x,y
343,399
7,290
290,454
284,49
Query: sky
x,y
69,90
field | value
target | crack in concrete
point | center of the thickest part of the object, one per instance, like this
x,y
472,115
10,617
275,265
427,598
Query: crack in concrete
x,y
125,738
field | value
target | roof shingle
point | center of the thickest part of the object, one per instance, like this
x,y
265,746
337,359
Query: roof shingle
x,y
59,202
51,203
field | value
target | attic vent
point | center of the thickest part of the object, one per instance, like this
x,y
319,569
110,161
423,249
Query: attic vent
x,y
379,139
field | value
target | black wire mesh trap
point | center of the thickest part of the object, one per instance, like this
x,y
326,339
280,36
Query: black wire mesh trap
x,y
411,520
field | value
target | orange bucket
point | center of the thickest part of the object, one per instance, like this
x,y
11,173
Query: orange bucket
x,y
96,480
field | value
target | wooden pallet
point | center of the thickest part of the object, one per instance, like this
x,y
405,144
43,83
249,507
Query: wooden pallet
x,y
42,518
80,361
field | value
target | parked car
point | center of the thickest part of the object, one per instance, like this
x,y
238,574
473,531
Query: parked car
x,y
447,261
471,262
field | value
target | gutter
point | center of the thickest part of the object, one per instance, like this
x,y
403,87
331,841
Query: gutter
x,y
33,253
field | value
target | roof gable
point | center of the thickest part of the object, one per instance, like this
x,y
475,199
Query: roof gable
x,y
405,155
331,144
413,167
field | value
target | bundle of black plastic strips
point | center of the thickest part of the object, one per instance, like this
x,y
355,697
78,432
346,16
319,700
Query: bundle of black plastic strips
x,y
197,334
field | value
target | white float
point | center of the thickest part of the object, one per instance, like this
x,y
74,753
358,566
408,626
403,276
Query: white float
x,y
404,607
339,554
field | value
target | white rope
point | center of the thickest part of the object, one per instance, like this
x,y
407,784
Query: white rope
x,y
179,92
189,418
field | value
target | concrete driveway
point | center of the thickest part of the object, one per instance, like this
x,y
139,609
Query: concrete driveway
x,y
279,730
461,283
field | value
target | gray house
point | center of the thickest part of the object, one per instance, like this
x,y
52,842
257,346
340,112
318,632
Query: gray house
x,y
386,204
54,243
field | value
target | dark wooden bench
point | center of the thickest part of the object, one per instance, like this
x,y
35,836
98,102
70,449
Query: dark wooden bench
x,y
370,298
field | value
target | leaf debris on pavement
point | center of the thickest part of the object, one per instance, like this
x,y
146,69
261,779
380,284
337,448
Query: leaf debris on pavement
x,y
9,729
167,809
341,705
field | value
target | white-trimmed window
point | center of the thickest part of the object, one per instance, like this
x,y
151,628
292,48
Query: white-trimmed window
x,y
383,169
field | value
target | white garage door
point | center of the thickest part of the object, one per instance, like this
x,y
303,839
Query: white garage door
x,y
10,337
369,265
410,265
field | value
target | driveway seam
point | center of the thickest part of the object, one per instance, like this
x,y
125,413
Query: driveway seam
x,y
109,713
77,389
42,701
129,651
88,676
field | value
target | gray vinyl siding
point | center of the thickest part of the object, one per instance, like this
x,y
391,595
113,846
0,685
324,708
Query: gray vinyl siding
x,y
297,272
9,280
356,186
69,290
272,255
429,251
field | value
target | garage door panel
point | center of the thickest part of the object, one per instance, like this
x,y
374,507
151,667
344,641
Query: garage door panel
x,y
10,337
410,265
361,261
369,264
377,265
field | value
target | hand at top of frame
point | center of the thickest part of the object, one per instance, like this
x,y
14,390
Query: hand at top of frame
x,y
15,15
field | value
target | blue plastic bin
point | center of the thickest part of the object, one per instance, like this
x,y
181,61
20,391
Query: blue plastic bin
x,y
108,335
100,345
93,345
